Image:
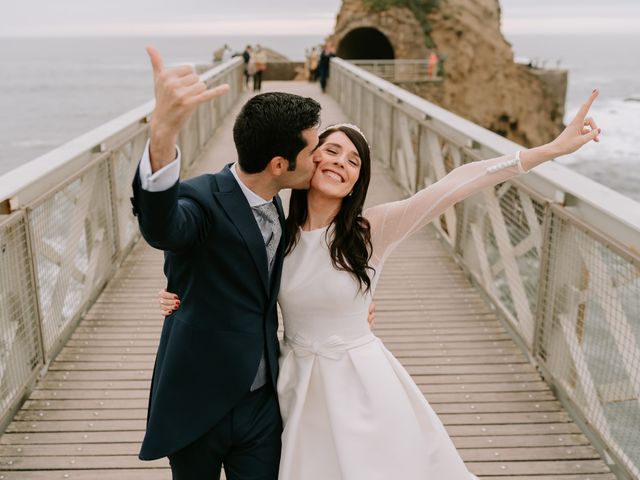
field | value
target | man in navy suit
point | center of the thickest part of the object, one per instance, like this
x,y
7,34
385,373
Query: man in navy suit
x,y
213,399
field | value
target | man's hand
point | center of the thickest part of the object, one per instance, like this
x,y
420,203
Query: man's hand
x,y
178,92
372,315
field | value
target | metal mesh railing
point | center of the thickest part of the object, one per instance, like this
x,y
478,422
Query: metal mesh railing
x,y
399,71
73,249
20,353
124,162
589,334
501,244
75,225
571,295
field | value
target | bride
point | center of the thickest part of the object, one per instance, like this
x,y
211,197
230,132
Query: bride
x,y
349,408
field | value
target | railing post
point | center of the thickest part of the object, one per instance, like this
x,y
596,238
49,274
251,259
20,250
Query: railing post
x,y
542,308
113,196
36,288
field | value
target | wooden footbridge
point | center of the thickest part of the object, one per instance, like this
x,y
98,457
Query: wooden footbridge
x,y
517,312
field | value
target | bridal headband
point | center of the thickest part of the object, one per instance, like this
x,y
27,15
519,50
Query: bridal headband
x,y
348,125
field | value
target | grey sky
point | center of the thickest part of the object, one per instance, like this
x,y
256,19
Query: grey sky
x,y
571,16
193,17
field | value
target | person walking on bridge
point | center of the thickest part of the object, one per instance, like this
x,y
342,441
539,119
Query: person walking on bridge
x,y
246,57
260,58
328,52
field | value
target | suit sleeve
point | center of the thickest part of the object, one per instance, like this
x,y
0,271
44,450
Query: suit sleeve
x,y
175,219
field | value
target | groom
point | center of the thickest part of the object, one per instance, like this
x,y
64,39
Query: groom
x,y
213,398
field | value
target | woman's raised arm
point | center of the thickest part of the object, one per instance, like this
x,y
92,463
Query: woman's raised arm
x,y
392,222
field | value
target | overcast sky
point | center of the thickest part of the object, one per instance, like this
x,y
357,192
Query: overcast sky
x,y
313,17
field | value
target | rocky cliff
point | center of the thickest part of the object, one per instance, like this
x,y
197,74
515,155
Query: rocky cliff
x,y
481,83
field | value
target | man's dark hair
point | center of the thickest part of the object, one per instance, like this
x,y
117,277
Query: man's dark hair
x,y
270,125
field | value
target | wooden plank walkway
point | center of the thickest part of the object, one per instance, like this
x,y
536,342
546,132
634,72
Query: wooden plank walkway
x,y
86,418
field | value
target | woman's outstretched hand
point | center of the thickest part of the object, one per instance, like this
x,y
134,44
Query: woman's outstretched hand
x,y
580,131
169,302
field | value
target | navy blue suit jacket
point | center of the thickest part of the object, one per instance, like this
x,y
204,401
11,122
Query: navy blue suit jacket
x,y
216,262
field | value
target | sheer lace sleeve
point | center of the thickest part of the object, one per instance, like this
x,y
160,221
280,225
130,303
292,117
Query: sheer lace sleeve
x,y
393,222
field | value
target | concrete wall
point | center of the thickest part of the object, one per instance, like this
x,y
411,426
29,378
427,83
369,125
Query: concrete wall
x,y
283,71
276,70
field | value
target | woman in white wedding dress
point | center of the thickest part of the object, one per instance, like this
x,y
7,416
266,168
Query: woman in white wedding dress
x,y
349,408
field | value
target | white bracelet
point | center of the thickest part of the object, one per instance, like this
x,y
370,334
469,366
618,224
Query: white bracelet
x,y
519,163
508,163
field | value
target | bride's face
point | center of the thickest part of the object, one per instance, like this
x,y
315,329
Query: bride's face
x,y
338,166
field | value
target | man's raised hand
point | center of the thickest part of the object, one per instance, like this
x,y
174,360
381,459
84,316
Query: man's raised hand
x,y
178,92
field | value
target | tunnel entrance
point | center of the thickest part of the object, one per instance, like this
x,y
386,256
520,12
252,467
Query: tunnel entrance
x,y
365,43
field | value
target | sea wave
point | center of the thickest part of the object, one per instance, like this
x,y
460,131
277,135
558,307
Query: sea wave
x,y
620,138
614,161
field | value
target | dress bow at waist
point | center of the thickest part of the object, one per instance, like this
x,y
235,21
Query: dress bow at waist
x,y
332,347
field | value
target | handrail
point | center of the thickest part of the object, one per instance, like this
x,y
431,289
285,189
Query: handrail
x,y
555,253
401,70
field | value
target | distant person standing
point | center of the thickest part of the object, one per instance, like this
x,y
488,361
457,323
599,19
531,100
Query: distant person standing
x,y
314,60
323,64
226,53
261,66
432,63
246,56
222,54
441,59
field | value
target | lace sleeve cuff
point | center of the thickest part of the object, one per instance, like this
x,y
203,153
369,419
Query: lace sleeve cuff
x,y
515,162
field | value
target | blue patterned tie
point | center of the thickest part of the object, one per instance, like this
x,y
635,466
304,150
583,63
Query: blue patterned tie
x,y
270,224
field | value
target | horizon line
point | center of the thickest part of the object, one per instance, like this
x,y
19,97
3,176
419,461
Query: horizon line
x,y
270,34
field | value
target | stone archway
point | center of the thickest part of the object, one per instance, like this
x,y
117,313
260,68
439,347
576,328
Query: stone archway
x,y
365,43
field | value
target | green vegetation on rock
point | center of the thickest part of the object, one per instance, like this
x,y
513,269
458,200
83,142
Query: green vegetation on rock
x,y
419,8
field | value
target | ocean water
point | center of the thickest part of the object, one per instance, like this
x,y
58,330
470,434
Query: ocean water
x,y
52,90
610,63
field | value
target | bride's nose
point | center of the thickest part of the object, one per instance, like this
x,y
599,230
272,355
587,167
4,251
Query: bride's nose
x,y
339,161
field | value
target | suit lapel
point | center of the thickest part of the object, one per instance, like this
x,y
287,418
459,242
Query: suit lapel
x,y
278,203
239,212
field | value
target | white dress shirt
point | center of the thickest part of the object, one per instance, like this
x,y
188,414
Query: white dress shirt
x,y
163,179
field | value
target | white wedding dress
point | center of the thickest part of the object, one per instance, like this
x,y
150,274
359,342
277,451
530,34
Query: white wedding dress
x,y
350,410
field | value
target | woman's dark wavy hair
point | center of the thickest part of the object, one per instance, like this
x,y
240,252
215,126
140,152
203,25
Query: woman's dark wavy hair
x,y
351,244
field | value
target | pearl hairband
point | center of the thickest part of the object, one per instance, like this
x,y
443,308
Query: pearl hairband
x,y
348,125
